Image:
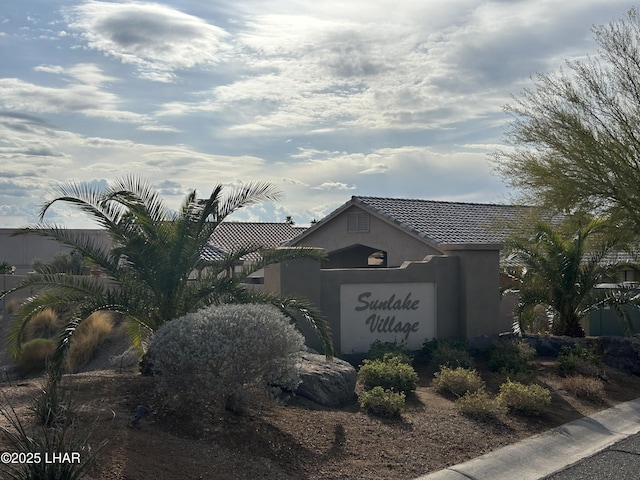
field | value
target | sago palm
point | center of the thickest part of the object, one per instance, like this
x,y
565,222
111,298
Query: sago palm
x,y
562,273
153,269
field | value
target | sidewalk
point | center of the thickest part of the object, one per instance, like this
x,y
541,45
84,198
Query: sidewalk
x,y
546,453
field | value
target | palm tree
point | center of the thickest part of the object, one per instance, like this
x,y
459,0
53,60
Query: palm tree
x,y
153,269
562,272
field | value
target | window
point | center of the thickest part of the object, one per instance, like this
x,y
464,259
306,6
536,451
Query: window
x,y
357,222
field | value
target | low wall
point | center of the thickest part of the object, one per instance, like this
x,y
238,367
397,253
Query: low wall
x,y
444,296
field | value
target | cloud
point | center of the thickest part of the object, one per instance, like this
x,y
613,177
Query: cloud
x,y
375,169
82,98
157,39
334,186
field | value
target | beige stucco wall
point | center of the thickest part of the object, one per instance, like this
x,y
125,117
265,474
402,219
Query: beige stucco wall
x,y
467,294
399,245
20,251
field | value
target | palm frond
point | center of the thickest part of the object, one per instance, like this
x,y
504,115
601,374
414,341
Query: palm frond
x,y
245,195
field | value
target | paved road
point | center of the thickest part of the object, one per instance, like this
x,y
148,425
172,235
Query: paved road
x,y
620,461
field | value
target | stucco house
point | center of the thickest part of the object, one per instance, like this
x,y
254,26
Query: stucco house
x,y
21,251
385,232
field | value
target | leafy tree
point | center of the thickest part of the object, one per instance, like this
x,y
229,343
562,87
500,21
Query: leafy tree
x,y
153,268
575,136
561,272
6,268
63,262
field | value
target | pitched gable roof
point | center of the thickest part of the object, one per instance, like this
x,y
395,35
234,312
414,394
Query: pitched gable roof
x,y
448,222
438,222
228,236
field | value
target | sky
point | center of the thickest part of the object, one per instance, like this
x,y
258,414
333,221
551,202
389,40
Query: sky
x,y
324,99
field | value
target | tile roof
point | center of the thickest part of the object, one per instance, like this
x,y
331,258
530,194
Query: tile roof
x,y
448,222
231,235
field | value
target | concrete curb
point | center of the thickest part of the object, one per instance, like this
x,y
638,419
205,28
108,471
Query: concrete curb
x,y
549,452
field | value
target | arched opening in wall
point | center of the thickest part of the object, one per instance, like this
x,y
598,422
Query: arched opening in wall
x,y
356,256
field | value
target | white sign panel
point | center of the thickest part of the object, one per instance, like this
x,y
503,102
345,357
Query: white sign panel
x,y
400,312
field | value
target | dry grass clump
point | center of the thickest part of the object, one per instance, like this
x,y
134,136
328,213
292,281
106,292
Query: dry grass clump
x,y
583,386
35,354
88,338
45,324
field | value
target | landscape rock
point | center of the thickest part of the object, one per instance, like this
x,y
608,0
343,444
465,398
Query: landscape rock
x,y
330,383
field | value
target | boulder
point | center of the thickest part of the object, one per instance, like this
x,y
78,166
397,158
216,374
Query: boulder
x,y
330,383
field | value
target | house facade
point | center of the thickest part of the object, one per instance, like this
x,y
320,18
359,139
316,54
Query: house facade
x,y
385,232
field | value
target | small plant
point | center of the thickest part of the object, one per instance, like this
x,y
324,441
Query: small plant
x,y
457,381
53,406
389,373
447,352
480,404
35,355
6,268
580,360
45,324
584,387
35,447
379,350
227,356
88,338
382,402
526,399
510,356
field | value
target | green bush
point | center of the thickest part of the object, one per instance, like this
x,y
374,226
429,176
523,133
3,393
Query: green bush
x,y
379,350
578,360
511,356
480,404
448,352
381,402
227,356
35,354
388,373
526,399
457,381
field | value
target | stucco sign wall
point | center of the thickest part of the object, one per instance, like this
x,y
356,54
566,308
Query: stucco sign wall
x,y
400,312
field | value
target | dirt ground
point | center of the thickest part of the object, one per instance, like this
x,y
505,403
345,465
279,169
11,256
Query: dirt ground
x,y
299,440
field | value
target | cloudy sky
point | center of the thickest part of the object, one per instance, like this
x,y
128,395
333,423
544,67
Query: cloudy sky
x,y
326,99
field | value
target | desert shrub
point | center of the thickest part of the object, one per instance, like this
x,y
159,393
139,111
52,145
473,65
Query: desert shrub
x,y
582,386
580,360
379,350
228,356
389,373
447,352
53,406
382,402
481,404
39,442
510,356
45,324
35,354
6,268
88,338
526,399
457,381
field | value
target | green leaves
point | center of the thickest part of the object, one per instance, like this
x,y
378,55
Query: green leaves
x,y
561,271
153,265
